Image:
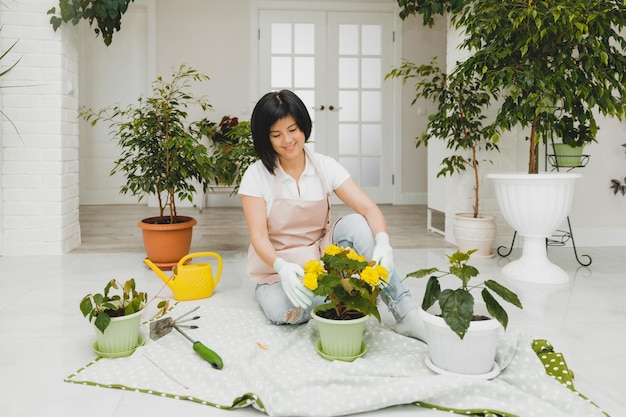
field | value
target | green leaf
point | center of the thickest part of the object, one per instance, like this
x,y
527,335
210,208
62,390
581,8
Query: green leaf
x,y
432,292
86,306
421,273
457,309
506,294
102,321
494,308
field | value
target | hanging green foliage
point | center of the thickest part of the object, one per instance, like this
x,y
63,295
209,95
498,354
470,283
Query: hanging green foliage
x,y
106,13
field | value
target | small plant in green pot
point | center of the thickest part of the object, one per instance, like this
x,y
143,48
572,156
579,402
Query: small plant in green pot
x,y
461,333
116,315
351,286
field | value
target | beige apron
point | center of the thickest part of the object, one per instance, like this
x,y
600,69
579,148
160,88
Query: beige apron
x,y
299,231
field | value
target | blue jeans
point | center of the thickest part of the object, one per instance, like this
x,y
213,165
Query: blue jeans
x,y
349,231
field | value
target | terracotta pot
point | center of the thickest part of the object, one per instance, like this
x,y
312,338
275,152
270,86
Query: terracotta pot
x,y
166,244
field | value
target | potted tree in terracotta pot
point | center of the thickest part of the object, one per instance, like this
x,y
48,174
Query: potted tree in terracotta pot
x,y
548,64
459,121
462,333
162,154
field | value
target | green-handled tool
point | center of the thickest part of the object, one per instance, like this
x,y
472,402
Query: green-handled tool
x,y
160,328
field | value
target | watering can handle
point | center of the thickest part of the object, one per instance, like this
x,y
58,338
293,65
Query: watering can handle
x,y
200,254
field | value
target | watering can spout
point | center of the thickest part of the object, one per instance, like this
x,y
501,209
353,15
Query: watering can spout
x,y
166,279
191,281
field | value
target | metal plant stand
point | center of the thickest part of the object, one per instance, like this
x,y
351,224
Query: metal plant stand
x,y
561,237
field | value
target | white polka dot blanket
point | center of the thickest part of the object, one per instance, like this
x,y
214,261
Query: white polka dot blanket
x,y
277,370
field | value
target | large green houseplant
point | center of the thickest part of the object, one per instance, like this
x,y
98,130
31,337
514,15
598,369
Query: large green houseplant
x,y
162,153
552,67
549,63
460,122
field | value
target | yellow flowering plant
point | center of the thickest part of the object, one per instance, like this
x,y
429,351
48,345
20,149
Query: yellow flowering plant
x,y
350,283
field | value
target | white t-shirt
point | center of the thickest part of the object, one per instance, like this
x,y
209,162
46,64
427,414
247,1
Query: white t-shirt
x,y
258,182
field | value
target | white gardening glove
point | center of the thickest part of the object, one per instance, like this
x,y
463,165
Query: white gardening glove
x,y
298,294
383,254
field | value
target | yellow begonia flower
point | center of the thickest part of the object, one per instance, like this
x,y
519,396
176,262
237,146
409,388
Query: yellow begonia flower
x,y
355,256
382,271
332,250
314,267
310,281
371,276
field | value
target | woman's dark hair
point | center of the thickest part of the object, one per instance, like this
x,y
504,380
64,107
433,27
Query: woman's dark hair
x,y
270,108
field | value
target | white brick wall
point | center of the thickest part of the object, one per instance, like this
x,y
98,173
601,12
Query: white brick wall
x,y
39,161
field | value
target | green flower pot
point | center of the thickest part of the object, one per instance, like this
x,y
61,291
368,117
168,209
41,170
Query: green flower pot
x,y
568,156
340,339
120,338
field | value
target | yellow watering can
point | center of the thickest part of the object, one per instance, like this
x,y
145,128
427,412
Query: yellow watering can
x,y
191,281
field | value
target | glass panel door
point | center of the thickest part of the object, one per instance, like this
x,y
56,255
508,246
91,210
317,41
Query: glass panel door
x,y
336,63
359,53
293,58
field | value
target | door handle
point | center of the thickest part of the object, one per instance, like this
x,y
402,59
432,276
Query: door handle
x,y
318,108
333,108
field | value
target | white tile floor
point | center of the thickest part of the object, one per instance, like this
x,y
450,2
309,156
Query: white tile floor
x,y
44,338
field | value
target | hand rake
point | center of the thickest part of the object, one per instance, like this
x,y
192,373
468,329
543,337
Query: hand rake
x,y
162,327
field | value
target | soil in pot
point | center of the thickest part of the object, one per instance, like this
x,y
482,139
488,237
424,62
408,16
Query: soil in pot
x,y
331,314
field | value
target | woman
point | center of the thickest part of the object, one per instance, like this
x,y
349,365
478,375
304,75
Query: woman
x,y
286,201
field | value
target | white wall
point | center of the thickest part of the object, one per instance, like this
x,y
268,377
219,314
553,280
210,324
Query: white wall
x,y
39,201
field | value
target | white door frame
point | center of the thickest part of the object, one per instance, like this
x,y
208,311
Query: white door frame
x,y
287,5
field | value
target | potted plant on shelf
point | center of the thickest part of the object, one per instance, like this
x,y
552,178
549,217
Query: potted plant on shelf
x,y
116,315
547,91
462,334
351,286
459,121
162,155
233,151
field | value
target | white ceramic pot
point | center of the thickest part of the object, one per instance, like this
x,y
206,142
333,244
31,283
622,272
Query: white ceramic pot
x,y
473,355
475,233
534,205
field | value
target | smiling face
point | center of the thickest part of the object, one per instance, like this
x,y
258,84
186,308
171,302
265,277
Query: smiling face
x,y
287,139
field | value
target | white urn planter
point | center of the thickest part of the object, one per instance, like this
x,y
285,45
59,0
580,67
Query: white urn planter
x,y
475,233
534,205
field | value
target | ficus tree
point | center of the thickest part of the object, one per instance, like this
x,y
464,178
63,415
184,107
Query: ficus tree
x,y
552,65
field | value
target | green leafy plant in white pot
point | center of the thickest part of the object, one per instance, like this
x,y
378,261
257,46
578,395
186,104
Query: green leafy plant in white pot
x,y
462,333
460,123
